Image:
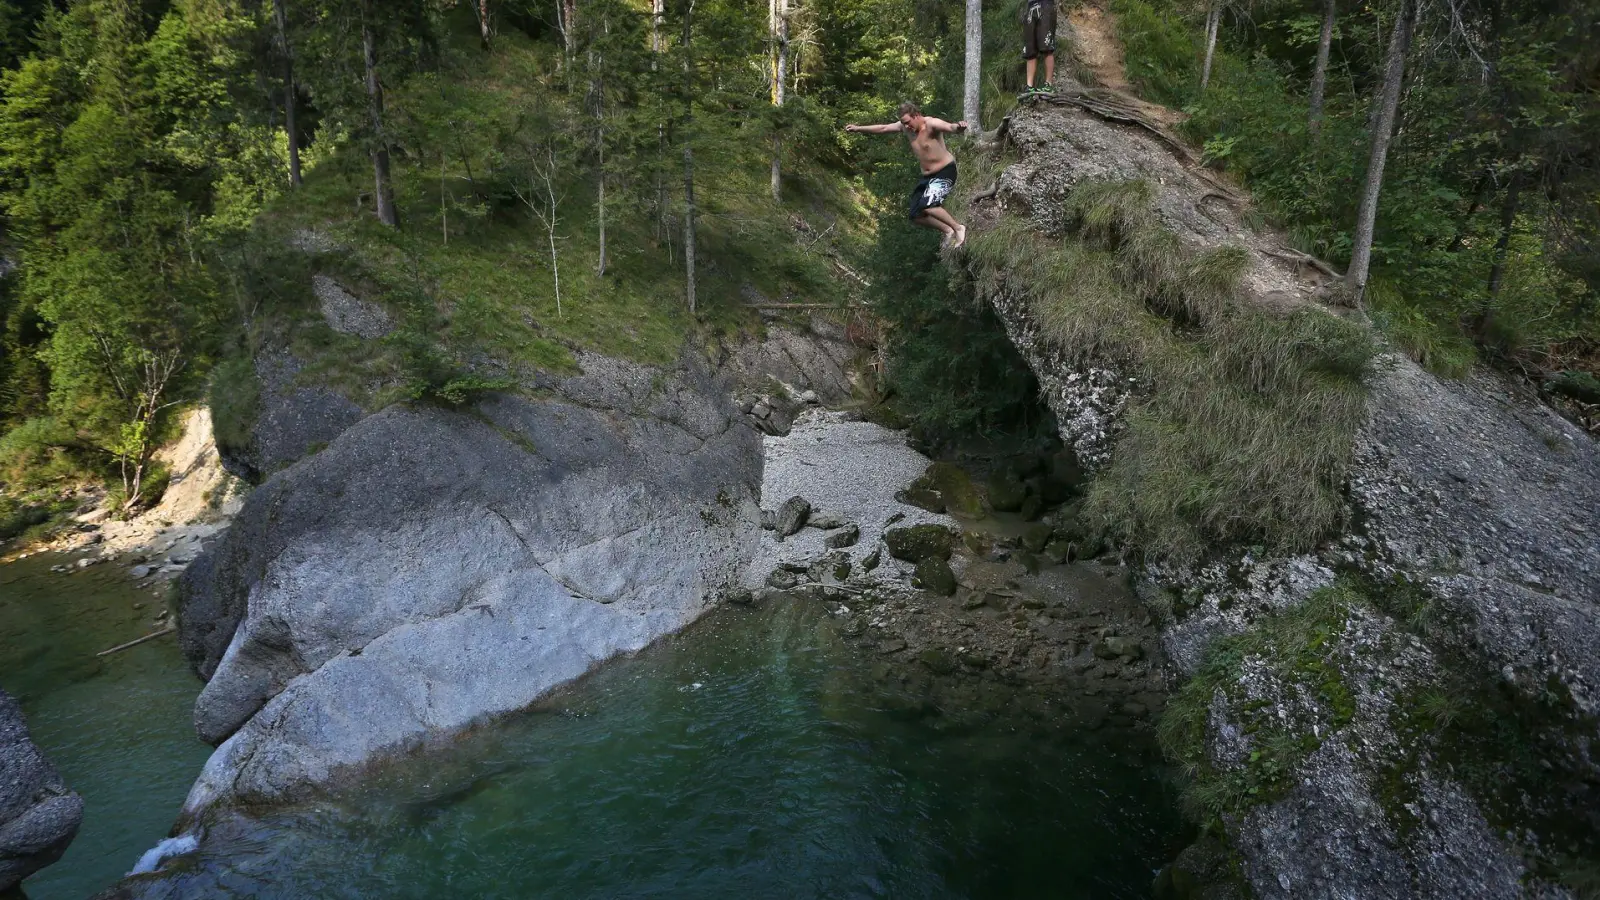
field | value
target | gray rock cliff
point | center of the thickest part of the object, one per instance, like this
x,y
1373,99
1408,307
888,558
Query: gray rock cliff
x,y
1470,498
39,816
432,568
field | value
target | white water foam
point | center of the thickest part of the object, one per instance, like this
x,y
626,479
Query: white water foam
x,y
160,853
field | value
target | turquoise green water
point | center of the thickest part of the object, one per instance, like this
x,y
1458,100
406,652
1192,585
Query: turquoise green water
x,y
753,756
119,728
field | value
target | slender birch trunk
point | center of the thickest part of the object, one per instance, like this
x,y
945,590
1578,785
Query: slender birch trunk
x,y
1213,25
1319,76
779,12
1388,105
481,7
974,73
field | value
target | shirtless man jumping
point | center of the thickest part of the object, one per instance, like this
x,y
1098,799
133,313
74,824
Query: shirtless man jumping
x,y
938,168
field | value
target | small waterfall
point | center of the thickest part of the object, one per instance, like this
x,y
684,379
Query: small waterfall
x,y
160,853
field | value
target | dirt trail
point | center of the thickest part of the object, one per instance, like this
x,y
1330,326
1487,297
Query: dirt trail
x,y
1093,43
1096,47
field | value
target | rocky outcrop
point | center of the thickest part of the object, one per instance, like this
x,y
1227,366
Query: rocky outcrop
x,y
292,419
39,816
432,568
1475,538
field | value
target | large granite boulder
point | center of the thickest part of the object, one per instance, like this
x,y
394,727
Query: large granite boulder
x,y
432,568
39,817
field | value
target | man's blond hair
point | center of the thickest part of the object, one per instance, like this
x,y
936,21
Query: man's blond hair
x,y
910,109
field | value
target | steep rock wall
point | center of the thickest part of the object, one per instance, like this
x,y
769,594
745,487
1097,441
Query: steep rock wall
x,y
1487,501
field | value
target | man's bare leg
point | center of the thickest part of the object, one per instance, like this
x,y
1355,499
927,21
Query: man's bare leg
x,y
1049,70
1033,66
927,220
955,229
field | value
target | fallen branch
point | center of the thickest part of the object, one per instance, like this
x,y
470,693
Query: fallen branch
x,y
134,643
989,194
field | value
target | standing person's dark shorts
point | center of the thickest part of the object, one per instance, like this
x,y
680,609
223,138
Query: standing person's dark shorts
x,y
932,189
1039,29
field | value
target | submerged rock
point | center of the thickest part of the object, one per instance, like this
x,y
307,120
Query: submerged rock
x,y
39,816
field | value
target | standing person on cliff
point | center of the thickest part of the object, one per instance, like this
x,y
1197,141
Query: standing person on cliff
x,y
938,168
1039,39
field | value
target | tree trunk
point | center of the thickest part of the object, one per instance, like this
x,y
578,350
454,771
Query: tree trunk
x,y
383,189
974,74
688,153
1480,195
280,18
1502,247
1213,25
569,22
658,13
1388,106
482,9
598,89
1319,76
780,71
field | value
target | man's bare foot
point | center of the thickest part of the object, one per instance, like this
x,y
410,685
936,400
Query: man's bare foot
x,y
960,236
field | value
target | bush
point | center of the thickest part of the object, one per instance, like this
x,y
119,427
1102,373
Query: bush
x,y
952,370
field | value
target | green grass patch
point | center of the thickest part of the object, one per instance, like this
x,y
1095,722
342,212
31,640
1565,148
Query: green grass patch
x,y
469,272
1244,421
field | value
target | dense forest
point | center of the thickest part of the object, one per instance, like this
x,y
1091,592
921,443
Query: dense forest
x,y
527,177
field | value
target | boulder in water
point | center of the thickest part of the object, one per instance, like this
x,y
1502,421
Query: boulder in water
x,y
39,816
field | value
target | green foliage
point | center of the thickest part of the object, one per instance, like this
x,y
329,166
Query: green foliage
x,y
1466,136
953,370
1159,51
1244,423
234,397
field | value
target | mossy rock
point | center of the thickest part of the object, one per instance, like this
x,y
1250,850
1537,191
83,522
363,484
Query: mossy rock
x,y
922,497
961,496
935,576
1064,478
1007,493
919,542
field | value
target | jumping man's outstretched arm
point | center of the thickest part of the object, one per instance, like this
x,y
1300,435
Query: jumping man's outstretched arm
x,y
940,125
890,128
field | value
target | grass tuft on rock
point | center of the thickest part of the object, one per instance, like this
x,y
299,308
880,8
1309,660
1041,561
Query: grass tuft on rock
x,y
1295,645
1243,421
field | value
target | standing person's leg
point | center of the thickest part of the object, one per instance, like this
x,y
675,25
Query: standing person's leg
x,y
1047,44
1030,44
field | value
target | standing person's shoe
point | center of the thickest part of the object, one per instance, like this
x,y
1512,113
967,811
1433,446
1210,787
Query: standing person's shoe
x,y
1046,89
